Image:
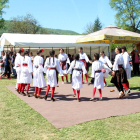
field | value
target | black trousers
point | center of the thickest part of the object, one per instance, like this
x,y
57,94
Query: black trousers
x,y
7,69
119,86
136,68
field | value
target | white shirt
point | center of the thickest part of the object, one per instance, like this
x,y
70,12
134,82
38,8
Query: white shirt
x,y
126,59
63,57
105,60
118,61
83,56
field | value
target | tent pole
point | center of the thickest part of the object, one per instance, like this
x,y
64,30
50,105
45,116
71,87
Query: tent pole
x,y
75,50
14,48
68,50
90,51
110,49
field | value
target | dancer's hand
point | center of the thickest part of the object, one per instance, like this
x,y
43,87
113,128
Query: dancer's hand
x,y
113,73
65,74
32,73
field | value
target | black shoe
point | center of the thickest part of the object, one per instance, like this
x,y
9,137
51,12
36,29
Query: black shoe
x,y
52,99
45,97
78,100
27,94
22,93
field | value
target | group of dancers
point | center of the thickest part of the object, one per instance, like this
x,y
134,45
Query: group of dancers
x,y
101,67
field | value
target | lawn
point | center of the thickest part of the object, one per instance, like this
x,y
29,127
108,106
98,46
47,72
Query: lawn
x,y
18,121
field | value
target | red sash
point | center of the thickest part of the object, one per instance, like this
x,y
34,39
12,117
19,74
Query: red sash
x,y
25,65
85,63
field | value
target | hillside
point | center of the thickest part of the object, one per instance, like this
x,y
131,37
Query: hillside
x,y
41,31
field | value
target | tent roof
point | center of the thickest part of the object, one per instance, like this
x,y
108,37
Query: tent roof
x,y
113,33
40,40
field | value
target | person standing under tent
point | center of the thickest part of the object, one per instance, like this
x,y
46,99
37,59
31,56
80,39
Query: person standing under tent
x,y
76,69
17,67
85,60
63,59
127,66
51,68
8,64
39,80
97,74
135,60
119,74
26,73
71,59
107,62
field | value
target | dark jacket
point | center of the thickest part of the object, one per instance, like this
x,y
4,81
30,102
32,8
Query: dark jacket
x,y
133,58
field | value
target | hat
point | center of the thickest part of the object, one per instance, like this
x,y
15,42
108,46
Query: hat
x,y
136,50
42,50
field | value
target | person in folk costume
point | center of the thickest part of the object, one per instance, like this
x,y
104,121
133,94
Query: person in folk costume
x,y
85,60
97,74
76,69
119,74
127,66
51,68
26,73
107,62
63,59
18,68
38,70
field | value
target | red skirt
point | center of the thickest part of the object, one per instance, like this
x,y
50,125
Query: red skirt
x,y
85,63
63,65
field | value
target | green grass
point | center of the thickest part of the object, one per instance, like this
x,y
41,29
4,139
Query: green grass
x,y
18,121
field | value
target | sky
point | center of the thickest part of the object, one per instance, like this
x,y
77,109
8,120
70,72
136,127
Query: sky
x,y
63,14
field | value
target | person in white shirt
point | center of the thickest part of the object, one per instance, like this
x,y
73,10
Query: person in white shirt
x,y
119,74
18,68
63,60
127,66
76,69
51,68
39,80
26,73
107,62
85,60
97,74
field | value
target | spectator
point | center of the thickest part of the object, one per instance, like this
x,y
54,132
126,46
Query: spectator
x,y
11,51
31,55
112,55
135,61
133,52
7,65
71,59
13,61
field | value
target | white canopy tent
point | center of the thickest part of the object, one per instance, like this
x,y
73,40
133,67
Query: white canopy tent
x,y
36,41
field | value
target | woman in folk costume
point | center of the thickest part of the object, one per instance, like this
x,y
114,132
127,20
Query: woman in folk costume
x,y
39,80
119,74
97,74
85,60
127,66
51,68
63,59
18,68
26,73
107,62
76,69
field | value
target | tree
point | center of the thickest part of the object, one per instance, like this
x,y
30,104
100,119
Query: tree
x,y
27,25
2,6
93,27
128,14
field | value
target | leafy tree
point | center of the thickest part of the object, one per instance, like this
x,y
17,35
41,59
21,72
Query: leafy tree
x,y
93,27
128,14
2,6
24,24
